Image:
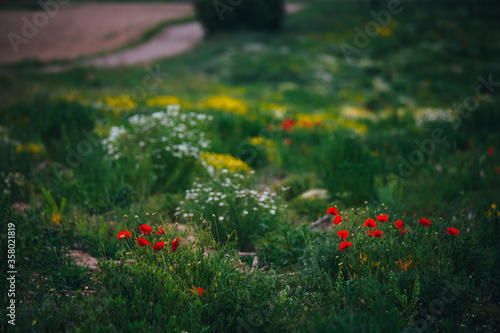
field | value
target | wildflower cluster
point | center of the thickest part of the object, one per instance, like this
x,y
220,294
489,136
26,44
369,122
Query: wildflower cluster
x,y
163,101
168,131
29,147
116,105
235,203
311,121
150,242
260,141
372,224
226,104
217,162
493,211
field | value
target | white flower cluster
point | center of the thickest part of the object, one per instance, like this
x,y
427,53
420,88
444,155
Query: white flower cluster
x,y
176,132
315,194
230,193
429,115
109,143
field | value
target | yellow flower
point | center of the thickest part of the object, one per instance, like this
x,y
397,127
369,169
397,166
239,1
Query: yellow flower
x,y
225,103
225,161
353,125
404,265
29,147
260,141
362,258
56,218
309,120
493,206
163,101
119,104
385,31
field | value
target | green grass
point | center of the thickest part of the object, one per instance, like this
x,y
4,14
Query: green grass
x,y
354,124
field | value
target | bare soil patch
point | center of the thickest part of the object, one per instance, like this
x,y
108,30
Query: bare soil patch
x,y
78,30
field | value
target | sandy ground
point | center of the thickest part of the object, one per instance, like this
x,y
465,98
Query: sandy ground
x,y
83,29
170,42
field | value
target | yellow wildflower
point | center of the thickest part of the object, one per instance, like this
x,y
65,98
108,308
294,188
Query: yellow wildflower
x,y
260,141
163,101
225,161
225,103
385,31
56,218
29,147
404,263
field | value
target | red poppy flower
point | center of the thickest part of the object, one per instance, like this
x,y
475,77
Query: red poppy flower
x,y
288,141
337,220
145,229
343,234
158,246
142,241
369,232
452,231
332,210
402,232
399,224
344,245
198,290
377,233
124,234
425,222
370,223
382,218
175,243
491,151
160,231
497,170
287,124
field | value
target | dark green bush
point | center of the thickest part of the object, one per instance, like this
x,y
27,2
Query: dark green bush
x,y
226,15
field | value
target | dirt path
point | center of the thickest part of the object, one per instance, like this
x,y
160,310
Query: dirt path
x,y
170,42
73,30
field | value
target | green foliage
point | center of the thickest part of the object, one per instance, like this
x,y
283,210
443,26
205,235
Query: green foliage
x,y
237,15
284,246
347,169
122,196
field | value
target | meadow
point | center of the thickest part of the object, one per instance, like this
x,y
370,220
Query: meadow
x,y
196,181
